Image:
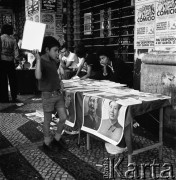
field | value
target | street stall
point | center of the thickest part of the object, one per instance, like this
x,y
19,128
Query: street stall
x,y
131,102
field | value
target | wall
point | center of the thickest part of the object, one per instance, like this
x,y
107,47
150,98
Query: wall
x,y
47,12
158,76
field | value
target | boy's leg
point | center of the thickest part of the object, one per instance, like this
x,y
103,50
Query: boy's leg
x,y
46,127
48,107
60,126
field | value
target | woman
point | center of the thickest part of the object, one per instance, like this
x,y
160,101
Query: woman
x,y
89,65
106,56
9,52
111,68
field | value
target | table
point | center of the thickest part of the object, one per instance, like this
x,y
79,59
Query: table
x,y
132,111
27,83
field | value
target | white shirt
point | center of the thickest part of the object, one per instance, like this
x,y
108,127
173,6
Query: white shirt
x,y
71,57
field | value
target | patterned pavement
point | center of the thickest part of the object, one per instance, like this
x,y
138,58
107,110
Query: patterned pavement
x,y
23,158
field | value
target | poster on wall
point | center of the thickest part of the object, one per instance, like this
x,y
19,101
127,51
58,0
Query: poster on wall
x,y
49,20
105,23
7,19
144,24
32,7
29,7
49,5
165,38
35,6
87,23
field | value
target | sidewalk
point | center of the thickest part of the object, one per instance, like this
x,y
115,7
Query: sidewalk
x,y
23,158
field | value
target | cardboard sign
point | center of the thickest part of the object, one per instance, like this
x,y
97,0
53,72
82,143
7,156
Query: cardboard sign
x,y
33,35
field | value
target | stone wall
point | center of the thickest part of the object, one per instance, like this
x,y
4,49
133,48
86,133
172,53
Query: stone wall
x,y
161,78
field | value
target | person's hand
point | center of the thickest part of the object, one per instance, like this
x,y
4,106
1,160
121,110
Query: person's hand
x,y
75,77
136,124
104,65
35,52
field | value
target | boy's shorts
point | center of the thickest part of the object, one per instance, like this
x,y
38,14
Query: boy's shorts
x,y
52,101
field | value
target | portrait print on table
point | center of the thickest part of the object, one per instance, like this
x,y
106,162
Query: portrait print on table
x,y
92,112
109,115
70,107
113,120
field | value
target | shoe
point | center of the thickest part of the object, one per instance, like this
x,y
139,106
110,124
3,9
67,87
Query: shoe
x,y
61,144
47,147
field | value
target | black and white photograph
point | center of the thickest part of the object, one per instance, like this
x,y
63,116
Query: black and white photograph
x,y
87,89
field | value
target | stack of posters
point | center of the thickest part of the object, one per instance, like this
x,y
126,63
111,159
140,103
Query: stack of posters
x,y
105,105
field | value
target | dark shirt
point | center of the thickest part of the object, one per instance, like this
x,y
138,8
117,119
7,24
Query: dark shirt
x,y
9,48
50,79
93,61
121,73
99,75
92,123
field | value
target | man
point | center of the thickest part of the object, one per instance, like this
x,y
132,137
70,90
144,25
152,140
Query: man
x,y
111,127
68,62
69,106
92,120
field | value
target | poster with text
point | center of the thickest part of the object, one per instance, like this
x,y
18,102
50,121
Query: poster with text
x,y
165,38
144,24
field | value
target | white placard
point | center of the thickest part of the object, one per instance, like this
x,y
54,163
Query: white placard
x,y
33,35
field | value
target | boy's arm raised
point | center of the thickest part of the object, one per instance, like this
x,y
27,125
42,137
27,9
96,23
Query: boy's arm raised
x,y
38,72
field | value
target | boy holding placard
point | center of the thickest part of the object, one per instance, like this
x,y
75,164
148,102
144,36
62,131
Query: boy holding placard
x,y
51,87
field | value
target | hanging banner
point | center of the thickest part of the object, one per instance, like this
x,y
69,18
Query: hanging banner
x,y
144,24
165,25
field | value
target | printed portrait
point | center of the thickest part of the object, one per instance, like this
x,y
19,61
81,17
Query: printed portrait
x,y
111,124
92,112
70,106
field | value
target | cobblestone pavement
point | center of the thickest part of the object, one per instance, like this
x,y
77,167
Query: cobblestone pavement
x,y
23,158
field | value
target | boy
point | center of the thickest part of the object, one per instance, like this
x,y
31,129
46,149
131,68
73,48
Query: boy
x,y
51,87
